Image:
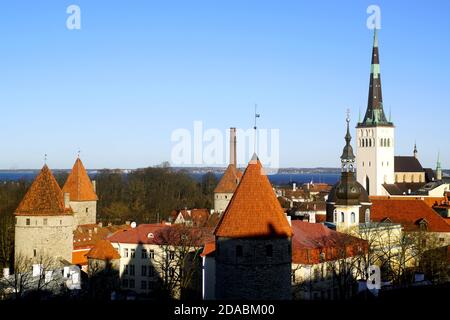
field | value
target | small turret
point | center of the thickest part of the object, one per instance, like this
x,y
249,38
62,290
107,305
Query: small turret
x,y
438,169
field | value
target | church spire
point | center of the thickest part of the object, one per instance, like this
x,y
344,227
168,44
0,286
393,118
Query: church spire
x,y
438,168
375,113
348,157
415,151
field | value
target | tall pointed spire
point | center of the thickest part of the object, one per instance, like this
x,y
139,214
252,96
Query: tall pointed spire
x,y
375,113
438,168
348,157
415,150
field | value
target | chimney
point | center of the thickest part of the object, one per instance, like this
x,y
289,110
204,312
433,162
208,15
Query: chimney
x,y
66,200
94,185
233,159
100,224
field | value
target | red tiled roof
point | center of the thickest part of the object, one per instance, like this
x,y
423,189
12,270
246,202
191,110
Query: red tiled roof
x,y
79,257
143,233
430,201
254,210
78,184
408,213
312,239
229,181
44,197
87,235
199,217
103,250
209,248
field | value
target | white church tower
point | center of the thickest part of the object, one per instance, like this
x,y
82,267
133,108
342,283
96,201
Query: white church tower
x,y
375,137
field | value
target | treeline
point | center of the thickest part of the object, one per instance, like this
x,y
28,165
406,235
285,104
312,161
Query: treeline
x,y
11,193
147,195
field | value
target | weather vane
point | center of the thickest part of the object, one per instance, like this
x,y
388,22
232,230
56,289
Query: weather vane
x,y
257,115
348,115
45,158
78,153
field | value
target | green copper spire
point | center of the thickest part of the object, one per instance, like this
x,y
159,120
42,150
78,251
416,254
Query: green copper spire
x,y
375,115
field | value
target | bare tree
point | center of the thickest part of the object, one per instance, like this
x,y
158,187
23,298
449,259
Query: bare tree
x,y
179,260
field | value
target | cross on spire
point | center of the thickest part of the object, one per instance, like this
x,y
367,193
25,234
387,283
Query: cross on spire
x,y
45,158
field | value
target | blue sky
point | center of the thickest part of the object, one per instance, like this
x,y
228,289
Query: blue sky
x,y
138,70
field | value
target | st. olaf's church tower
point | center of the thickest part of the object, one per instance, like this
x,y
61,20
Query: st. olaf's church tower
x,y
375,137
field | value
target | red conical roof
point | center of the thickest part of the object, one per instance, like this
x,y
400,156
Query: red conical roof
x,y
78,184
254,210
44,197
229,181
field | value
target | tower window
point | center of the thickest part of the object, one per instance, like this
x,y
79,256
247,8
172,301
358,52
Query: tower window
x,y
45,221
269,251
353,217
28,222
342,217
367,216
34,253
239,251
87,210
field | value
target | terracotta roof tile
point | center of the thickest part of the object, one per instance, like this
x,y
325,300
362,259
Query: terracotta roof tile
x,y
310,240
254,210
103,250
44,197
229,181
78,184
79,257
408,213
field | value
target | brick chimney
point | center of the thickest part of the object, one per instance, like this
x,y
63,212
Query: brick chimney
x,y
233,159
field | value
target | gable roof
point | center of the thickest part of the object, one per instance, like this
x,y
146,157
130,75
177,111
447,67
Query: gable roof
x,y
407,164
229,181
44,197
408,213
78,184
254,210
142,234
103,250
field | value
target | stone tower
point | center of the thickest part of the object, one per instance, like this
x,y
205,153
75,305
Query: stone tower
x,y
44,221
375,134
348,203
253,243
83,199
230,180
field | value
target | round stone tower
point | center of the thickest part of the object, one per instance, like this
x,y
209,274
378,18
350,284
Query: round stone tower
x,y
44,221
253,243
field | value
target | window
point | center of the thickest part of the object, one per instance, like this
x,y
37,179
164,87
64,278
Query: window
x,y
125,252
335,216
133,253
125,283
144,285
144,271
126,269
151,272
87,210
45,221
239,251
353,217
144,254
131,269
131,284
171,255
342,217
172,272
28,221
60,222
269,251
151,254
34,253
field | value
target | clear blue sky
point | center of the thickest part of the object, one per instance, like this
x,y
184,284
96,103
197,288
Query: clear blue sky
x,y
137,70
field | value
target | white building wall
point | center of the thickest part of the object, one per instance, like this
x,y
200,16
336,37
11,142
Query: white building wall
x,y
375,158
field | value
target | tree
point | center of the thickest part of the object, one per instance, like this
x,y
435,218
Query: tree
x,y
179,260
